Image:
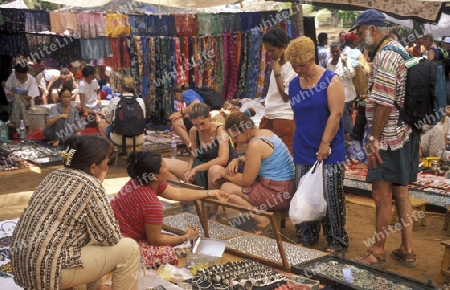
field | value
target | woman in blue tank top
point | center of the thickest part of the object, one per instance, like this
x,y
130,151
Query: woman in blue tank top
x,y
267,181
317,99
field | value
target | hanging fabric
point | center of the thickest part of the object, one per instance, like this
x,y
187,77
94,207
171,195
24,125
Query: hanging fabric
x,y
37,44
71,52
233,72
37,21
13,20
62,21
195,61
254,39
218,63
139,69
204,23
250,20
230,22
263,66
91,24
185,59
150,102
144,70
186,24
138,24
95,48
242,88
14,44
160,27
116,24
180,78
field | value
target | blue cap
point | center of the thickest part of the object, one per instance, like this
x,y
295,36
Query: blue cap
x,y
370,17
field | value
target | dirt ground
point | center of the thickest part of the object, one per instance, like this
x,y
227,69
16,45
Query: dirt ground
x,y
16,189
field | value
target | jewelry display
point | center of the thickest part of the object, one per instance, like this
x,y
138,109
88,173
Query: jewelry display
x,y
216,230
267,249
245,275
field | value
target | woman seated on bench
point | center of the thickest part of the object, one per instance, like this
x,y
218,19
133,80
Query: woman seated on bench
x,y
267,181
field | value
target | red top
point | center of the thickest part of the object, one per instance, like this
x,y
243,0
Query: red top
x,y
137,205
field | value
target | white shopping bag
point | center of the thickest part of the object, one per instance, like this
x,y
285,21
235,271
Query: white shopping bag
x,y
308,203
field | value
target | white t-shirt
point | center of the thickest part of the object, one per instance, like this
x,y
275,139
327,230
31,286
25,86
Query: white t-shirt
x,y
90,92
29,87
346,74
275,107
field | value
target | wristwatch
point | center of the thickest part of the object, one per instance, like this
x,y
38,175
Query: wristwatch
x,y
371,138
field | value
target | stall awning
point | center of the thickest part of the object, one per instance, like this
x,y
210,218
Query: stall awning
x,y
422,11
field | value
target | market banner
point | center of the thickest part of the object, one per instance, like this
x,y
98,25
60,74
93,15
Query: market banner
x,y
424,11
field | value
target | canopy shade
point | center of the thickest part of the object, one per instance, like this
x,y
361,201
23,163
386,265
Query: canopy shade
x,y
423,11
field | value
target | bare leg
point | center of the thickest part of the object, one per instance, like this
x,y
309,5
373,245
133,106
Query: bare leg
x,y
177,168
382,195
238,197
180,130
405,218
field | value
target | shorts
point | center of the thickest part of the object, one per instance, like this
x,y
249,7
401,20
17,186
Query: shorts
x,y
188,124
400,166
270,195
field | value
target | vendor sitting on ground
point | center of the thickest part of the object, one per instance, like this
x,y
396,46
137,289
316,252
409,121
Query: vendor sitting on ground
x,y
57,82
140,212
211,146
268,179
63,119
180,123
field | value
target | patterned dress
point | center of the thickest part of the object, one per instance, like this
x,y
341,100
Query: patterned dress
x,y
66,212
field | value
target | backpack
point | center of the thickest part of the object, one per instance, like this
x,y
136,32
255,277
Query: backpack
x,y
425,91
129,119
212,98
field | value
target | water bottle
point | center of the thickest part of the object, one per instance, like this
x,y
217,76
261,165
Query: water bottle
x,y
173,148
22,131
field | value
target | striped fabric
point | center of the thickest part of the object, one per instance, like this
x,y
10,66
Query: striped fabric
x,y
137,205
388,80
66,212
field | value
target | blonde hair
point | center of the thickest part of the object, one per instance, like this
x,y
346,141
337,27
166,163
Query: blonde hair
x,y
300,50
128,84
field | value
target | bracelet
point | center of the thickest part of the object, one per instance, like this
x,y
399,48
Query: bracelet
x,y
207,193
277,75
187,238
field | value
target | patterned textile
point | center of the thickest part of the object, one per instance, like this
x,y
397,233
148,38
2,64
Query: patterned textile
x,y
218,63
167,68
60,21
254,44
62,217
36,43
160,27
116,24
204,23
138,24
159,85
195,59
262,77
37,21
95,48
13,20
250,20
334,221
144,70
231,22
177,62
91,24
244,67
150,102
120,53
155,256
14,44
186,24
185,58
139,63
71,51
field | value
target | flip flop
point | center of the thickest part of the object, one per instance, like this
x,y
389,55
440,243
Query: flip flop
x,y
404,257
370,258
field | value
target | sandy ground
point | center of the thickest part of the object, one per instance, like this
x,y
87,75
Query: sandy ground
x,y
17,188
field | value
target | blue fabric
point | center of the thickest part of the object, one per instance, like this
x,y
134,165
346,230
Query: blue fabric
x,y
190,96
280,159
311,112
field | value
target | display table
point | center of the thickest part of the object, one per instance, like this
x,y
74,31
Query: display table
x,y
432,188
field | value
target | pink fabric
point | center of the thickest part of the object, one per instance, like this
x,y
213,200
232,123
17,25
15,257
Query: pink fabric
x,y
154,256
270,195
91,24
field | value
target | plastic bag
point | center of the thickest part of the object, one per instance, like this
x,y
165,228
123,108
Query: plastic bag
x,y
308,203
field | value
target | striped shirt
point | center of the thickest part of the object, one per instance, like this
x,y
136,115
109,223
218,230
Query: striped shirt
x,y
388,80
66,212
137,205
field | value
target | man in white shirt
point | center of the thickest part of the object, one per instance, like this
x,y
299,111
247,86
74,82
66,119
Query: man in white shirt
x,y
322,50
20,89
88,90
344,69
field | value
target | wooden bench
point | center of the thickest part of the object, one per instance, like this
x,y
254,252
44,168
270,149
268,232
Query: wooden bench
x,y
445,264
418,205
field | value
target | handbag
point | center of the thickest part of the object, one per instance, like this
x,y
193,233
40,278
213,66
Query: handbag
x,y
308,203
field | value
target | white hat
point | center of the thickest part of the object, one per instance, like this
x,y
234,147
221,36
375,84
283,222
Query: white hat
x,y
446,39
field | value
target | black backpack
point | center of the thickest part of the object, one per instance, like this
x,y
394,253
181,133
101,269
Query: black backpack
x,y
129,119
212,98
425,91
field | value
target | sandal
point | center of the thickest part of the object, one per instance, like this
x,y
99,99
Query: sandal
x,y
407,259
185,152
370,258
334,248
